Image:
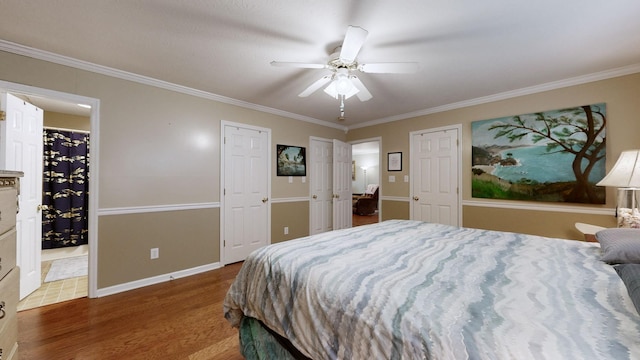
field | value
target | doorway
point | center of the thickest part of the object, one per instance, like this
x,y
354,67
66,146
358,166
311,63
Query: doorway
x,y
57,102
365,182
64,211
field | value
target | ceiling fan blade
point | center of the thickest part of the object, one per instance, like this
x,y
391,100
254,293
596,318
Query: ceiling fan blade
x,y
352,43
363,94
389,68
298,65
315,86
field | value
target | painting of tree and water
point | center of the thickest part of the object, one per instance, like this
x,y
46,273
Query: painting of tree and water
x,y
291,161
553,156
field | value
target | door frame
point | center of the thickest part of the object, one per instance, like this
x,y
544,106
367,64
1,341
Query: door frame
x,y
458,128
223,167
377,139
94,167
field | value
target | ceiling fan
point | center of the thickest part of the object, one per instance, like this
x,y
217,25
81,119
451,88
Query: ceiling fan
x,y
342,82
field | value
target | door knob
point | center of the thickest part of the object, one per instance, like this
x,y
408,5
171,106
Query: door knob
x,y
315,197
264,200
415,198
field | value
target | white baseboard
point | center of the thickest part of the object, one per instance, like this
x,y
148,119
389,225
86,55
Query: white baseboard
x,y
156,279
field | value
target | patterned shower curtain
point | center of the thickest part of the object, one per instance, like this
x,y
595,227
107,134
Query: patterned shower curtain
x,y
65,189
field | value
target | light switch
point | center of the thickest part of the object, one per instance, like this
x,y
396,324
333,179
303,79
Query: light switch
x,y
304,179
406,178
290,179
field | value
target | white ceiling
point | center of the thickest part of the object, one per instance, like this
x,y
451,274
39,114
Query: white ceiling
x,y
468,50
365,148
54,105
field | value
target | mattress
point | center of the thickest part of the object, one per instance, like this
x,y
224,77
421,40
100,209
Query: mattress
x,y
405,289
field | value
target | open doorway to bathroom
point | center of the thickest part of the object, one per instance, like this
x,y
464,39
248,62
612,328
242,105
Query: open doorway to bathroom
x,y
65,203
365,182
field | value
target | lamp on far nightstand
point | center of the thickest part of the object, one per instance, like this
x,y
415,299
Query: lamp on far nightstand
x,y
625,175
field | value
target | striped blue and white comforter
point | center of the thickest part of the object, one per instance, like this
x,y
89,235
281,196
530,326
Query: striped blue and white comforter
x,y
413,290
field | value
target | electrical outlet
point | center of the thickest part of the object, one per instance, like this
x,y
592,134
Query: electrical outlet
x,y
155,253
286,230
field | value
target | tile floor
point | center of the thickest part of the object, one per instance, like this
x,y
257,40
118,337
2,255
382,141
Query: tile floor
x,y
55,291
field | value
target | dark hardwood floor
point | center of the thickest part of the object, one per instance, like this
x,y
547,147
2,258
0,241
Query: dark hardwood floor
x,y
358,220
180,319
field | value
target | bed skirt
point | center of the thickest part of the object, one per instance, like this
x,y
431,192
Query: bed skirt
x,y
257,342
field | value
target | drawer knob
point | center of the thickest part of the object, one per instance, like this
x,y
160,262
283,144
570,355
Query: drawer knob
x,y
2,312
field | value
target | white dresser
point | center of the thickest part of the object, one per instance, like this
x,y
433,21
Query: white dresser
x,y
9,273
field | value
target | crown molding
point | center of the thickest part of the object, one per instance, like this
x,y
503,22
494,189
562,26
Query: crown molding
x,y
38,54
124,75
602,75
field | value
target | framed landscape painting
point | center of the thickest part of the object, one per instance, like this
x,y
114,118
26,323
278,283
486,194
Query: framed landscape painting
x,y
555,156
291,160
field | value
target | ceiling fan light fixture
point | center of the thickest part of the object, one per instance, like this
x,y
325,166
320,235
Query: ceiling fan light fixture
x,y
343,85
334,91
342,82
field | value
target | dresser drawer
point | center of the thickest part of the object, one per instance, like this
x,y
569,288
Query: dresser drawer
x,y
9,316
8,208
7,252
9,297
9,339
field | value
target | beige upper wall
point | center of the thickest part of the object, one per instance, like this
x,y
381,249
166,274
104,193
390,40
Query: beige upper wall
x,y
66,121
623,127
159,147
623,133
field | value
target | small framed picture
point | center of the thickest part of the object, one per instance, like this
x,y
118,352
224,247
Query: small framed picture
x,y
291,160
394,161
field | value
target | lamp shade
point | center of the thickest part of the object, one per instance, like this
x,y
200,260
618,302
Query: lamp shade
x,y
626,171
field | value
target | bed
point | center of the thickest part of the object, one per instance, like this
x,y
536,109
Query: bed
x,y
405,289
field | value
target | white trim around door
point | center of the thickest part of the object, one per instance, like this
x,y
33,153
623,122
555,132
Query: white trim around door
x,y
94,166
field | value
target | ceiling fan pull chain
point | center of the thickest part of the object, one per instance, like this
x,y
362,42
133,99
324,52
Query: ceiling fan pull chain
x,y
342,107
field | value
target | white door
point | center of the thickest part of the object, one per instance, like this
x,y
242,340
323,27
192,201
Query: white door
x,y
435,177
22,150
246,223
342,203
321,186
